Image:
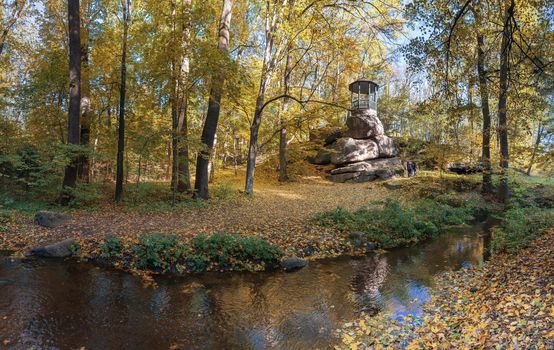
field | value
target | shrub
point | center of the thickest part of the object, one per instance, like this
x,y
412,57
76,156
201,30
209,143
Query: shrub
x,y
393,224
519,227
86,194
229,250
111,247
158,251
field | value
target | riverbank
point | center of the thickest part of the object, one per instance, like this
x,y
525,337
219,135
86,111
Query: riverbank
x,y
311,219
282,214
507,302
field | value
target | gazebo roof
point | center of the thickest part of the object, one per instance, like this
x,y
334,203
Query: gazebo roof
x,y
364,88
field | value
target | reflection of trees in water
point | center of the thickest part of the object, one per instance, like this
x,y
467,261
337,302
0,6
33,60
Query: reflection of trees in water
x,y
399,279
369,277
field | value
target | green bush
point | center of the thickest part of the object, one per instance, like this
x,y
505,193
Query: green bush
x,y
157,251
393,224
86,194
111,247
229,250
519,227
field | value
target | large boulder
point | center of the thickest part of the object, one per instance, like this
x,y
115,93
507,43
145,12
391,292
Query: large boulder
x,y
349,150
383,168
51,219
387,146
61,249
363,124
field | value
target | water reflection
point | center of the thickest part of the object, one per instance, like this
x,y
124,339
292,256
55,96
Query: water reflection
x,y
52,304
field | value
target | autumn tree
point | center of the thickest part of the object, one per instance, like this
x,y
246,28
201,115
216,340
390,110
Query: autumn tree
x,y
126,19
74,110
212,116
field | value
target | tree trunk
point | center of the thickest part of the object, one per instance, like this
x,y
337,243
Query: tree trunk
x,y
283,173
212,117
10,21
183,182
254,130
122,91
70,175
260,100
173,99
84,162
213,158
485,109
535,148
505,48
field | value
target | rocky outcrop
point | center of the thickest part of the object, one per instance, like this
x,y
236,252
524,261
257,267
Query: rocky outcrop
x,y
363,154
383,168
387,147
349,150
61,249
51,219
363,124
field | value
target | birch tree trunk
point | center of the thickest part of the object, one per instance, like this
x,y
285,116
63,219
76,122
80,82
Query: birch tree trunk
x,y
270,24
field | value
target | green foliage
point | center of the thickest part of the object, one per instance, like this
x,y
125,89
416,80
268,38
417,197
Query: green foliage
x,y
5,218
158,251
226,249
151,197
472,203
86,195
75,250
223,191
393,224
519,227
28,172
111,247
221,250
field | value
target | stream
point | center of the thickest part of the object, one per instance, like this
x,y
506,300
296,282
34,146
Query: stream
x,y
51,304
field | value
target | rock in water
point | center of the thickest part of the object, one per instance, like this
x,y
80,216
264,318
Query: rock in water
x,y
356,238
349,150
363,124
61,249
387,147
293,263
51,219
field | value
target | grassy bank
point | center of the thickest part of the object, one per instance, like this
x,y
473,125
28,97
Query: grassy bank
x,y
311,218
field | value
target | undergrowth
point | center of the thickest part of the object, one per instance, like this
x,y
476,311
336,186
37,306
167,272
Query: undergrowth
x,y
220,251
393,224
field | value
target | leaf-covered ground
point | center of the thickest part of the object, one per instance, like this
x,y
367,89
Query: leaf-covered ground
x,y
506,304
282,214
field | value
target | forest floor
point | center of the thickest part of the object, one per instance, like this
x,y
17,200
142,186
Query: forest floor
x,y
508,303
280,213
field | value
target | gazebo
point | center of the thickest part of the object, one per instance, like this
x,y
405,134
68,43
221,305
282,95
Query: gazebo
x,y
363,94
